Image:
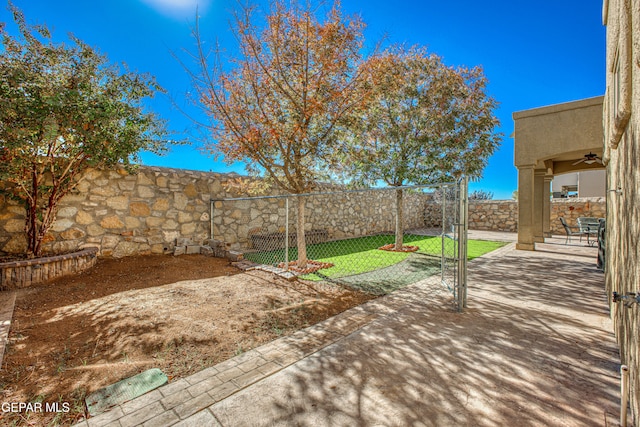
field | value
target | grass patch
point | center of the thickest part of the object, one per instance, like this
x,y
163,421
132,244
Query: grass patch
x,y
361,255
477,248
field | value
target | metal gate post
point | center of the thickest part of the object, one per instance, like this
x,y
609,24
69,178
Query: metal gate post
x,y
443,236
286,233
463,213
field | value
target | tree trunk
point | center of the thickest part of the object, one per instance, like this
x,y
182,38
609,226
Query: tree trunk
x,y
300,237
31,230
399,230
31,222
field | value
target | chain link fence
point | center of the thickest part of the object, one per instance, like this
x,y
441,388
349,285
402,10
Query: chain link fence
x,y
375,240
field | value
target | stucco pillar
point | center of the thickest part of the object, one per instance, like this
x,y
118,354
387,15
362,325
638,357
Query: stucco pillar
x,y
525,208
538,205
546,206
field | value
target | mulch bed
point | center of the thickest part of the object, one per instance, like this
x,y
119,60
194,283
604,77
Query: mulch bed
x,y
312,266
391,247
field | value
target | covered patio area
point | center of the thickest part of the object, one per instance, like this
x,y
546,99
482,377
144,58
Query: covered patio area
x,y
550,141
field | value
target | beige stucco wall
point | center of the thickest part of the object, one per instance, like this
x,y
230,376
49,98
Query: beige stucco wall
x,y
592,183
550,141
546,132
622,18
589,183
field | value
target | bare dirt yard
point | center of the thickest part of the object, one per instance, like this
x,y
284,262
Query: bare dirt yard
x,y
77,334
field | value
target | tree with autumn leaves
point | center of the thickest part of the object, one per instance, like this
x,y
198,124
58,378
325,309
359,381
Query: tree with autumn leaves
x,y
300,101
426,122
293,91
64,109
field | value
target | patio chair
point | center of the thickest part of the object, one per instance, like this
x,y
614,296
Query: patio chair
x,y
571,231
589,227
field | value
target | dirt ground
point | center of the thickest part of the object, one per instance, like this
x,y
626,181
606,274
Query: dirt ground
x,y
180,314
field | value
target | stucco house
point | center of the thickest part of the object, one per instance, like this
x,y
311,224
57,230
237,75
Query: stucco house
x,y
579,184
621,155
551,140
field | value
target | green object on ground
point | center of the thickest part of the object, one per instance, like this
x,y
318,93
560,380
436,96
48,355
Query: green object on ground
x,y
123,391
414,268
354,257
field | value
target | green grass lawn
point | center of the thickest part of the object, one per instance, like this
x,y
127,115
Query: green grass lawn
x,y
361,255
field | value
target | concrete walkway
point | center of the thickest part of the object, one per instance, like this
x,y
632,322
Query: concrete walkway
x,y
534,348
7,303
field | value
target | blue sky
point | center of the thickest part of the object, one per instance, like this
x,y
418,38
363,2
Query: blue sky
x,y
534,53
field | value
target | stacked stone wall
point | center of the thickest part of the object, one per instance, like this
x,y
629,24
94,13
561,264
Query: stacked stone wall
x,y
145,212
502,215
124,214
572,209
341,215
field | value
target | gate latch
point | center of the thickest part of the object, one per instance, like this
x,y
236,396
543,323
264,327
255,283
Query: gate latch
x,y
629,298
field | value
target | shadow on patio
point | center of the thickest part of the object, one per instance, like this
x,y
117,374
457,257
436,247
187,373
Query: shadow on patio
x,y
535,347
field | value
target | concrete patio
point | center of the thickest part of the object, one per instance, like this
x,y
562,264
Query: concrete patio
x,y
535,347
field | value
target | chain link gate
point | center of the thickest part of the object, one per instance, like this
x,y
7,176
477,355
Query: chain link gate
x,y
375,240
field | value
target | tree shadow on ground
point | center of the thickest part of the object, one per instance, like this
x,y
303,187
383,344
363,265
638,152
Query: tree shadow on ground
x,y
526,353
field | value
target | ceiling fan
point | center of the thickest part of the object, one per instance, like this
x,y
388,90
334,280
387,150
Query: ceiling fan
x,y
589,159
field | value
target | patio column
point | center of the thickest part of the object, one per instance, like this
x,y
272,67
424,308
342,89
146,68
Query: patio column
x,y
525,208
546,206
538,205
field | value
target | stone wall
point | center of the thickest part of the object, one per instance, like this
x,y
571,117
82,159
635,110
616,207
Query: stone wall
x,y
496,215
144,213
124,214
22,274
572,209
341,215
502,215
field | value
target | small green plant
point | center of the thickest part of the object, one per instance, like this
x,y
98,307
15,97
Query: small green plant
x,y
239,350
62,359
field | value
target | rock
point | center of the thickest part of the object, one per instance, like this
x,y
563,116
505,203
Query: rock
x,y
162,181
184,217
187,229
139,209
161,205
62,224
145,192
190,191
67,211
183,241
72,234
118,203
111,222
17,244
126,185
154,222
14,226
179,201
131,222
83,218
234,256
157,248
193,249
